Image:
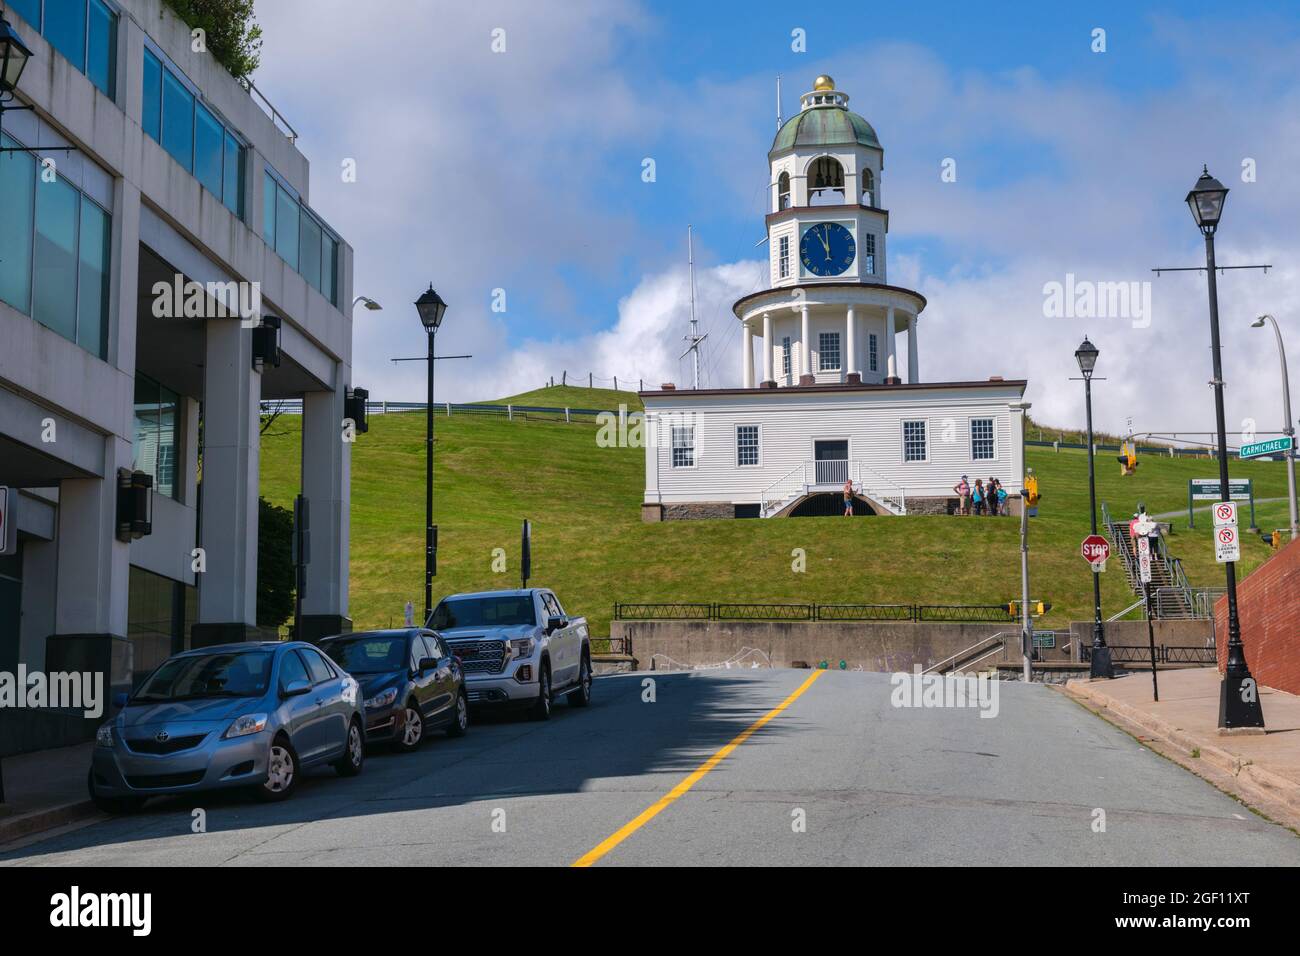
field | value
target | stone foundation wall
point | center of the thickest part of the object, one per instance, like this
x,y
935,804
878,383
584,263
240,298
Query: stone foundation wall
x,y
693,510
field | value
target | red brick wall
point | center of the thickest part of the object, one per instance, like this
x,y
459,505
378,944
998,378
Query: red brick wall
x,y
1268,606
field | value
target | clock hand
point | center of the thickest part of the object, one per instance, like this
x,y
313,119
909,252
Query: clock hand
x,y
824,238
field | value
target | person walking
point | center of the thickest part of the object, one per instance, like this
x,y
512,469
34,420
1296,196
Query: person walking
x,y
962,490
848,497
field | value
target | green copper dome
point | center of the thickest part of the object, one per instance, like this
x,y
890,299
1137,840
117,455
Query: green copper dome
x,y
824,126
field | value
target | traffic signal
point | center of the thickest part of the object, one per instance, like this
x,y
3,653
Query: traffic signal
x,y
1031,489
1036,608
1128,461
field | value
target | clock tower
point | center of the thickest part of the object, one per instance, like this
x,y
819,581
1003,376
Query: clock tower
x,y
829,316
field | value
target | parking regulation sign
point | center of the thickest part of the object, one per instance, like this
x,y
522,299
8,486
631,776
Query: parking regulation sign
x,y
1227,545
1144,559
1225,513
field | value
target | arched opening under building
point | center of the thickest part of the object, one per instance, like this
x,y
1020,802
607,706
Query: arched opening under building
x,y
829,504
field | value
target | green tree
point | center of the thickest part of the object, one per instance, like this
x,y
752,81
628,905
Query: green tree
x,y
275,578
233,36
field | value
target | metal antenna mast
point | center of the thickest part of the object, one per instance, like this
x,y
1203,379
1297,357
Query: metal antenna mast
x,y
694,338
778,102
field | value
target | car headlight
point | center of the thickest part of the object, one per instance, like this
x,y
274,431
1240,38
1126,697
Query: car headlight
x,y
382,699
247,724
521,647
104,735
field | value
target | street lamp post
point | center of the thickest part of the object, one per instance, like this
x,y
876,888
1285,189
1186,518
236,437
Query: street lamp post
x,y
1101,666
1238,694
1287,428
14,55
431,309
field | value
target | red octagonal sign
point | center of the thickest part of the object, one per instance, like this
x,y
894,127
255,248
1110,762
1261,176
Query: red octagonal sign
x,y
1095,548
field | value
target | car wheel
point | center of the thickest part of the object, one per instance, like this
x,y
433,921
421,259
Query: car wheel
x,y
581,695
113,805
542,709
460,720
354,755
282,771
412,728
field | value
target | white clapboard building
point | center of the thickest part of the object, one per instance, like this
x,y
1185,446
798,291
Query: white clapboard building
x,y
826,401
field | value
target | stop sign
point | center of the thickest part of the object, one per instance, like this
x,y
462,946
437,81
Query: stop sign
x,y
1095,548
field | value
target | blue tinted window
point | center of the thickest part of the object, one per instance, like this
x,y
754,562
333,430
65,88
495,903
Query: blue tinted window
x,y
17,189
309,263
268,209
232,189
55,295
152,117
329,267
209,138
101,65
178,121
286,227
92,300
65,28
29,10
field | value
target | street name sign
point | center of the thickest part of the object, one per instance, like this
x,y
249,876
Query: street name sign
x,y
1273,446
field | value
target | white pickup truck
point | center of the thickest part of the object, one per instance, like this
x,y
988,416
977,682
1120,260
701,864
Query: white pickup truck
x,y
517,648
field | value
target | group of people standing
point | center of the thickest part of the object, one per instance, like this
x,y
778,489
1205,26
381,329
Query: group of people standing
x,y
982,498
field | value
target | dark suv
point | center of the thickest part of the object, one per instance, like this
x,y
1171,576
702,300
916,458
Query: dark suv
x,y
410,683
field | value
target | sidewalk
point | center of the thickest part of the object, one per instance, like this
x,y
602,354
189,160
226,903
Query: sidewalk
x,y
1263,769
45,789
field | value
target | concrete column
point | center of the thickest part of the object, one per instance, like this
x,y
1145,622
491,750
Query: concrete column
x,y
768,380
852,375
747,344
891,356
805,349
90,611
913,360
228,520
326,472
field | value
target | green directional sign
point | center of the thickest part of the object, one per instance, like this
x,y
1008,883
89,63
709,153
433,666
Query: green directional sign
x,y
1273,446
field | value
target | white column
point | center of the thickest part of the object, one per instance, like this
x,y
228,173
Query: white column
x,y
851,343
913,360
747,340
326,468
231,392
891,357
805,352
767,347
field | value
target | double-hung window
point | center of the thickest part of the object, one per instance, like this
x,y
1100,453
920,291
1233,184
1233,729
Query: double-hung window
x,y
982,442
746,445
873,352
914,443
828,351
783,258
683,443
869,253
785,355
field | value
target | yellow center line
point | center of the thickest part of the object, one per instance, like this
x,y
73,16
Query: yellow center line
x,y
650,812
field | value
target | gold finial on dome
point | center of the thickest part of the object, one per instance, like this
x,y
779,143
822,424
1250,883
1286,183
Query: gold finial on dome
x,y
823,82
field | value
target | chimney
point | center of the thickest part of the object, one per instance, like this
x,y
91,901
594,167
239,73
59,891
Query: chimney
x,y
995,378
668,387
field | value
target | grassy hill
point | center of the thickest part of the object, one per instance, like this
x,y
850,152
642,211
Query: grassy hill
x,y
571,396
590,545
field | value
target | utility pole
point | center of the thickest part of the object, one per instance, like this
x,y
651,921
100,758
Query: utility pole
x,y
1026,619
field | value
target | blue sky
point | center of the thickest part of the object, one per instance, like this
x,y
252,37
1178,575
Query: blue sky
x,y
522,171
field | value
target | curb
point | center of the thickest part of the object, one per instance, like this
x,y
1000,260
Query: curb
x,y
25,824
1259,781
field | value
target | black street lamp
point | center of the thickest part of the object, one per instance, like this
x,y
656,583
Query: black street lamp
x,y
1238,694
431,309
14,55
1101,666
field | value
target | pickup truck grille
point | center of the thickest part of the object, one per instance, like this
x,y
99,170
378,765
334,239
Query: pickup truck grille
x,y
480,656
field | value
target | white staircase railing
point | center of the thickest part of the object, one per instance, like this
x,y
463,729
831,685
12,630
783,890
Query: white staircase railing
x,y
779,493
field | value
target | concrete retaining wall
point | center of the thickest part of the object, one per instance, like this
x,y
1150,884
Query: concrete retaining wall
x,y
1134,633
873,646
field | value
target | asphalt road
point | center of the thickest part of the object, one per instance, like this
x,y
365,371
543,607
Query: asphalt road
x,y
872,784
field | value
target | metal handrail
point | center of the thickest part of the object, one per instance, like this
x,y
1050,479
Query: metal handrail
x,y
276,116
768,499
942,666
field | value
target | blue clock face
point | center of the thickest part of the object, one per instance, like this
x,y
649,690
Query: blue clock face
x,y
827,249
